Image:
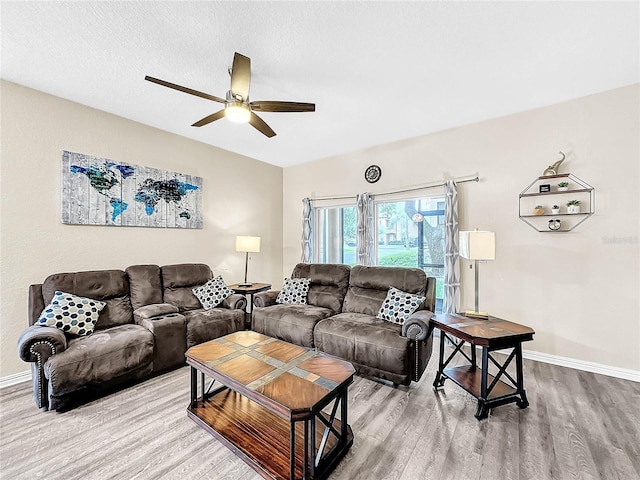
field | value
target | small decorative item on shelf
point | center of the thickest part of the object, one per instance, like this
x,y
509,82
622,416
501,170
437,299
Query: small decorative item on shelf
x,y
538,210
563,186
554,225
544,188
573,206
553,169
555,209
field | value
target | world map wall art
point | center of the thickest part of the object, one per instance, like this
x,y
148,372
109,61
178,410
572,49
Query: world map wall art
x,y
98,191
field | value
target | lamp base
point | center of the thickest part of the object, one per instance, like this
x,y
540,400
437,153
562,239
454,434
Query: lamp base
x,y
245,284
474,314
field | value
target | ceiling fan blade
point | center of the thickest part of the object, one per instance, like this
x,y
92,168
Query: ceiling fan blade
x,y
259,124
283,107
190,91
209,118
240,77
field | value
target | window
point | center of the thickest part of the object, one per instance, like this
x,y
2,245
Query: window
x,y
336,235
411,234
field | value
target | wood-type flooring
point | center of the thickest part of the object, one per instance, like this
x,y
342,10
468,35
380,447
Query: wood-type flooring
x,y
579,426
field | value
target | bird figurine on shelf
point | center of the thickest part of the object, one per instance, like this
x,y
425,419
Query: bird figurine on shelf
x,y
553,169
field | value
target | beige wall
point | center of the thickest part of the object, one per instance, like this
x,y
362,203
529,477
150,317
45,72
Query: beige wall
x,y
578,290
240,196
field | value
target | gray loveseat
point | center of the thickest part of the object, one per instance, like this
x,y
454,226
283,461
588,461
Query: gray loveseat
x,y
340,318
150,319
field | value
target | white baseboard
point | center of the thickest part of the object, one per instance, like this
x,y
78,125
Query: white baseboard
x,y
15,379
592,367
624,373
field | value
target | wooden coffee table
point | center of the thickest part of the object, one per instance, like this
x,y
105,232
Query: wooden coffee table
x,y
491,334
268,408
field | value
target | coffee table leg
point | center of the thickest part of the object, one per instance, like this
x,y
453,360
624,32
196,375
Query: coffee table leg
x,y
482,411
292,460
194,387
312,441
305,467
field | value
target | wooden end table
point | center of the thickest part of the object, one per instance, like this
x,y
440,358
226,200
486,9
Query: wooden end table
x,y
268,408
251,291
490,334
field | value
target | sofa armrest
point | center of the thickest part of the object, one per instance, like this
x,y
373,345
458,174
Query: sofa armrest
x,y
265,299
235,302
38,343
169,338
416,326
154,310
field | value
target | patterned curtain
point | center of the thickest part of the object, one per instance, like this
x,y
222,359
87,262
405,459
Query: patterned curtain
x,y
307,231
365,246
451,259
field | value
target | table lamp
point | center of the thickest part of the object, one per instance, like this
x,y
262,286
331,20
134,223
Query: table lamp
x,y
477,245
247,244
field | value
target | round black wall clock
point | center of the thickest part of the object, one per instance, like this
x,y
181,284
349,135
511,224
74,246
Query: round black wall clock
x,y
372,174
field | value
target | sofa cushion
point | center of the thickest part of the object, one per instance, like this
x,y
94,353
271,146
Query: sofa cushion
x,y
329,283
178,280
145,282
212,293
291,323
366,340
108,286
398,306
99,357
294,291
205,325
71,314
368,286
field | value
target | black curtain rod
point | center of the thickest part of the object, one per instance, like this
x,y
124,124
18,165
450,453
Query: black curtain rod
x,y
475,179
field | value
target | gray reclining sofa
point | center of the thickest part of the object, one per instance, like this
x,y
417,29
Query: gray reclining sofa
x,y
150,319
340,318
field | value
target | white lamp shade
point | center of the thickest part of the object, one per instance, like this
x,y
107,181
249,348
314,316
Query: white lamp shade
x,y
245,243
477,245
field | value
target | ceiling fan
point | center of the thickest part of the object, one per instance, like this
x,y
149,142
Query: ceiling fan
x,y
237,106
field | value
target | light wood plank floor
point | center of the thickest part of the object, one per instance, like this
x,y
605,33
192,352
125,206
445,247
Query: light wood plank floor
x,y
579,426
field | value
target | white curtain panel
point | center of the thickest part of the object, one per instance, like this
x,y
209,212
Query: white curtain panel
x,y
366,228
307,231
451,302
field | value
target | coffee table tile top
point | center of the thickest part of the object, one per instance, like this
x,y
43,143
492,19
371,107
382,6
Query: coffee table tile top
x,y
245,369
210,353
281,351
274,368
280,389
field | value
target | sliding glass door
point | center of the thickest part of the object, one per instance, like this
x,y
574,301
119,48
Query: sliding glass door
x,y
411,234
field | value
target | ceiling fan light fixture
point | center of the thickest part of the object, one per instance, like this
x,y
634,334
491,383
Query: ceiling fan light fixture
x,y
237,112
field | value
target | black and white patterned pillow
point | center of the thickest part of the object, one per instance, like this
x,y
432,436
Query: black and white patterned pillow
x,y
212,293
71,314
399,305
294,291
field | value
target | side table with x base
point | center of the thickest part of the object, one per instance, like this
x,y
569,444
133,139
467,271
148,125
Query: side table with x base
x,y
491,334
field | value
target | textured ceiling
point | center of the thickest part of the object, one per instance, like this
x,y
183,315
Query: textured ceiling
x,y
377,71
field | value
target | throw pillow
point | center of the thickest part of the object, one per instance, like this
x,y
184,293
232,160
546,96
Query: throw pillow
x,y
399,305
212,293
294,291
71,314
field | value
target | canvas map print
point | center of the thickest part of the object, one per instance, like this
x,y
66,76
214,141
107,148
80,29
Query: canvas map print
x,y
98,191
